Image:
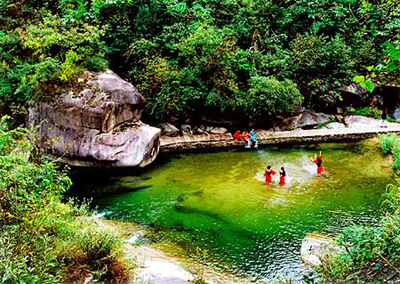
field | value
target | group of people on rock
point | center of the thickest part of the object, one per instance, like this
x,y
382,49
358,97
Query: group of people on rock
x,y
250,138
269,172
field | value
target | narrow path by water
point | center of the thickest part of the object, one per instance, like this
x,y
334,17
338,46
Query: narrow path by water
x,y
210,141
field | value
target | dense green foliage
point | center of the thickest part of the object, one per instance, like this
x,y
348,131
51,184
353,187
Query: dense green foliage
x,y
386,72
234,56
390,143
42,239
367,111
371,254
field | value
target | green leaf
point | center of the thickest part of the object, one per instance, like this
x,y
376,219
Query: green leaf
x,y
359,79
369,68
369,85
393,66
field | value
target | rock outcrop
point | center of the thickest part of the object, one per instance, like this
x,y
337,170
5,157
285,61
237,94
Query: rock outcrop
x,y
315,248
354,89
363,121
97,126
304,120
168,129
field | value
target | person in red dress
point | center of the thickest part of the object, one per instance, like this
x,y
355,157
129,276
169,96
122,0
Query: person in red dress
x,y
237,135
318,161
282,174
269,172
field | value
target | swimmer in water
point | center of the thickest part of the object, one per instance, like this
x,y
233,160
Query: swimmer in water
x,y
318,161
282,174
269,172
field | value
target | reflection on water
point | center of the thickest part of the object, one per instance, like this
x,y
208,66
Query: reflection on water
x,y
219,202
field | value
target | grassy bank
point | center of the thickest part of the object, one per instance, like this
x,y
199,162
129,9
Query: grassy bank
x,y
43,238
371,254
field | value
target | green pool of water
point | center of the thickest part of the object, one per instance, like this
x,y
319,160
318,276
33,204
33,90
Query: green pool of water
x,y
219,202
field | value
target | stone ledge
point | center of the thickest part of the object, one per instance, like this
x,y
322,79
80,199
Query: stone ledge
x,y
210,141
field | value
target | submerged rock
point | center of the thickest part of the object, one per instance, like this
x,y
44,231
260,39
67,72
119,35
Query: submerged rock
x,y
98,126
315,248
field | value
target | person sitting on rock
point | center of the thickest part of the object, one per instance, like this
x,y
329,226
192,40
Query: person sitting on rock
x,y
237,135
253,138
246,137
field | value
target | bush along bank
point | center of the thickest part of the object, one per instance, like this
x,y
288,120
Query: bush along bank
x,y
371,254
42,238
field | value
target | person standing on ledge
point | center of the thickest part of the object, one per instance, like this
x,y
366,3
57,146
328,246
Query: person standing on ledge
x,y
318,161
282,174
269,172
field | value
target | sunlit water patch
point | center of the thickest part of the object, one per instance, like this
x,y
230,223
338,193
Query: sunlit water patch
x,y
219,202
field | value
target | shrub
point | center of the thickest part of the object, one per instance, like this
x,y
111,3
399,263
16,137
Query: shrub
x,y
42,238
366,249
368,111
388,142
267,95
69,69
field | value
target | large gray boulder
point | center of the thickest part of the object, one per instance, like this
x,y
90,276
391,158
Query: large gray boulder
x,y
363,121
355,89
98,126
306,119
310,119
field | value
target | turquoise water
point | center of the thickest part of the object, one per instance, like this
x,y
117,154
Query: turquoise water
x,y
218,202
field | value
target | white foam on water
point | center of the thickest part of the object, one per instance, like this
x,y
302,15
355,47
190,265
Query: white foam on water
x,y
298,172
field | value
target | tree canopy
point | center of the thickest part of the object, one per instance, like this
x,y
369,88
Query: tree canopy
x,y
248,57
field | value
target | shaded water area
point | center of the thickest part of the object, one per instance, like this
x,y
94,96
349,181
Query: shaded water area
x,y
219,202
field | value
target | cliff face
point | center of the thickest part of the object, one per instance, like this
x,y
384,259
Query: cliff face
x,y
98,126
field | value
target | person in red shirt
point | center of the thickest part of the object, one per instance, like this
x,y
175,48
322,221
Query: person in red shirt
x,y
246,137
318,161
282,174
237,135
269,172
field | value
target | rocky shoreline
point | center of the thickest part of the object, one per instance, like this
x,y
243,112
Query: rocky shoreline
x,y
357,128
97,124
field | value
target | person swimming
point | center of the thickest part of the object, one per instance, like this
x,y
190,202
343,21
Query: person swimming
x,y
282,177
269,172
318,161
